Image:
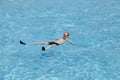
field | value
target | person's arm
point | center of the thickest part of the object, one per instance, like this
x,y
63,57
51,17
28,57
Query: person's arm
x,y
71,42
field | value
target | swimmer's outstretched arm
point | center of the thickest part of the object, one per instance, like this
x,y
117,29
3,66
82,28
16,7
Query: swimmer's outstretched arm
x,y
71,42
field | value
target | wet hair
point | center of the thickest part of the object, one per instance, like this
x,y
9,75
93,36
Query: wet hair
x,y
67,33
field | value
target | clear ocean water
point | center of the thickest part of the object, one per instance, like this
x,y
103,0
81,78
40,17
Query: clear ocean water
x,y
93,24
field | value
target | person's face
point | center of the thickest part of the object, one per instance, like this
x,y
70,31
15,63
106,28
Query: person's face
x,y
65,35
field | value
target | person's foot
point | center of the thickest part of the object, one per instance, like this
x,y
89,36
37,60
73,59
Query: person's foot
x,y
22,43
43,48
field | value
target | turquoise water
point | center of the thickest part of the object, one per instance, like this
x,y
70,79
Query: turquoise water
x,y
93,24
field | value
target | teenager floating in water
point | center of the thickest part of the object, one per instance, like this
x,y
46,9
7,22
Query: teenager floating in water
x,y
52,44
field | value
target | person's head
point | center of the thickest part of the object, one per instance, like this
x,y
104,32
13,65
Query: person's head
x,y
66,35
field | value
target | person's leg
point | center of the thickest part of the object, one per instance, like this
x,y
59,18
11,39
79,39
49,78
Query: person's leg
x,y
37,43
48,47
